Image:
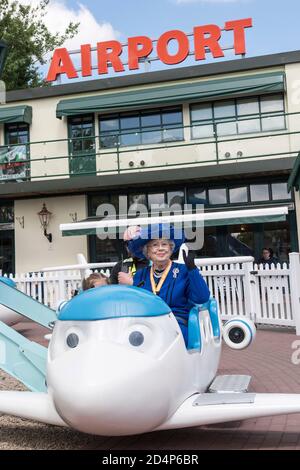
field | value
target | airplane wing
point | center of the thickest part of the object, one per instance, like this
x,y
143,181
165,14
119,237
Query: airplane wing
x,y
210,408
23,359
28,405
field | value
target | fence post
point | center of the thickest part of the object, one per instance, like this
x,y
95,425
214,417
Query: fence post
x,y
295,289
61,286
250,291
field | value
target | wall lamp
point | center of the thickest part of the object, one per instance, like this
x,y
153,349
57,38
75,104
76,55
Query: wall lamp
x,y
44,216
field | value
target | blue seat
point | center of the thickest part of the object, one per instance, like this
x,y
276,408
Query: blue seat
x,y
194,333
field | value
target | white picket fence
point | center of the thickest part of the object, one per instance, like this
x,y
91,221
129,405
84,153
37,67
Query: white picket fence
x,y
268,295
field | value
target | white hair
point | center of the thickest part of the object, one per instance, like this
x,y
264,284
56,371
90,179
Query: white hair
x,y
145,248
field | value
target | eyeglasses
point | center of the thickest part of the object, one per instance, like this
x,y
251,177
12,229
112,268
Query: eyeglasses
x,y
159,244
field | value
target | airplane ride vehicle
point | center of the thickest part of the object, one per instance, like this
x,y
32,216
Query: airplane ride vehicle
x,y
117,364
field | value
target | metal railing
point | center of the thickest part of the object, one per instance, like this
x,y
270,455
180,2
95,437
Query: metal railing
x,y
42,161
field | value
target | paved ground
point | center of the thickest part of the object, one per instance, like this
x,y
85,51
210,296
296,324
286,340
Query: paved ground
x,y
268,360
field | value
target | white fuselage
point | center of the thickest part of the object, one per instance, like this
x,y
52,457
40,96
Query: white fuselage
x,y
105,385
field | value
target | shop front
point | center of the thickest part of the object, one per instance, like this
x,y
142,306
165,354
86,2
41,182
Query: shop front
x,y
225,238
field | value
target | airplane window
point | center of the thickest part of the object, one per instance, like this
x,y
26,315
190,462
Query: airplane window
x,y
72,340
136,338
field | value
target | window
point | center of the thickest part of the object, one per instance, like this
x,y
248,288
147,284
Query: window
x,y
217,196
225,110
156,199
223,240
197,196
137,204
269,106
141,128
14,156
259,192
175,199
7,213
82,145
238,116
280,191
81,128
238,195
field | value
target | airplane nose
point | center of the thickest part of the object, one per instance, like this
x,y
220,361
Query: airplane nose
x,y
110,389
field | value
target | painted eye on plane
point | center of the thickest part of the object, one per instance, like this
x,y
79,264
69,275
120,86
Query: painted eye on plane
x,y
139,337
136,338
72,340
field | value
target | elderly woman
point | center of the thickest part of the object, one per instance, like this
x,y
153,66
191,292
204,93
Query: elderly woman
x,y
179,285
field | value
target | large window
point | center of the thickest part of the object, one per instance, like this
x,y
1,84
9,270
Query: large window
x,y
223,240
237,116
141,128
14,156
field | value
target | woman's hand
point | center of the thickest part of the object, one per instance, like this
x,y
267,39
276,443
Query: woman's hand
x,y
189,260
125,278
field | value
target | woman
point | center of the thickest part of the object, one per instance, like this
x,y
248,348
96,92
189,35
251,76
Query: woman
x,y
180,285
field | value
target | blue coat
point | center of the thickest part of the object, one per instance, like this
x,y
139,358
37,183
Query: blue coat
x,y
180,290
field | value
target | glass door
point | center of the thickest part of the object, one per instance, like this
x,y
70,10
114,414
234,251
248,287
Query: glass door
x,y
82,157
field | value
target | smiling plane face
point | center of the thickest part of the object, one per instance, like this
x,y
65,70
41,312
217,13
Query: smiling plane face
x,y
116,362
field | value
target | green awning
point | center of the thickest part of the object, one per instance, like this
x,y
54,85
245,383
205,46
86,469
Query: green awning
x,y
294,179
93,225
176,93
245,220
16,114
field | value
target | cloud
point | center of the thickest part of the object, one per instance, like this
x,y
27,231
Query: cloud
x,y
90,31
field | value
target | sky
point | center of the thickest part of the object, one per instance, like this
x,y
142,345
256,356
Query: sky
x,y
275,23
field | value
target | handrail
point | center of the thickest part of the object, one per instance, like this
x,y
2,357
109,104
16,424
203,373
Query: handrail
x,y
117,150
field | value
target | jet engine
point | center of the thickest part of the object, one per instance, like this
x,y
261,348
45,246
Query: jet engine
x,y
239,333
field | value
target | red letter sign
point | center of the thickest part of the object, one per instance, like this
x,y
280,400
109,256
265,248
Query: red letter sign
x,y
206,39
211,42
86,64
61,63
238,27
135,53
109,51
183,47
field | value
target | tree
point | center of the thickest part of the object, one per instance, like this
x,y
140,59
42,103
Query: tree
x,y
29,41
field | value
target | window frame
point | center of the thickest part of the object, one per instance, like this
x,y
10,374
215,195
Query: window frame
x,y
237,118
141,129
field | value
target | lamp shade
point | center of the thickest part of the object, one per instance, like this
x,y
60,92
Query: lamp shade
x,y
44,216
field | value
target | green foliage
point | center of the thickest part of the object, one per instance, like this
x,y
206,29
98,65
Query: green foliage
x,y
29,41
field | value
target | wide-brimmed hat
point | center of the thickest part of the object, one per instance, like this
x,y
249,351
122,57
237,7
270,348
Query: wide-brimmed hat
x,y
154,232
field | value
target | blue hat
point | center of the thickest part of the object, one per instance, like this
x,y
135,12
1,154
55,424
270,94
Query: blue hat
x,y
154,232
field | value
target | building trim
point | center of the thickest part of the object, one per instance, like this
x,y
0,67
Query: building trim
x,y
173,74
93,183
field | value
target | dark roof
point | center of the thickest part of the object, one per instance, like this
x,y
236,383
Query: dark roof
x,y
176,73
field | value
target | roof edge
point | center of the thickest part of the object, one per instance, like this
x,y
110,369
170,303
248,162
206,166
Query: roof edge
x,y
177,73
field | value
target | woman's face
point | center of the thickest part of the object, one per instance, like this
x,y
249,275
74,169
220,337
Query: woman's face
x,y
159,251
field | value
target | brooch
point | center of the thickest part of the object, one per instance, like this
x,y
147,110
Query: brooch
x,y
175,272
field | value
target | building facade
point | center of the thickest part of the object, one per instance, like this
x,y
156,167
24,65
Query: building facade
x,y
225,135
